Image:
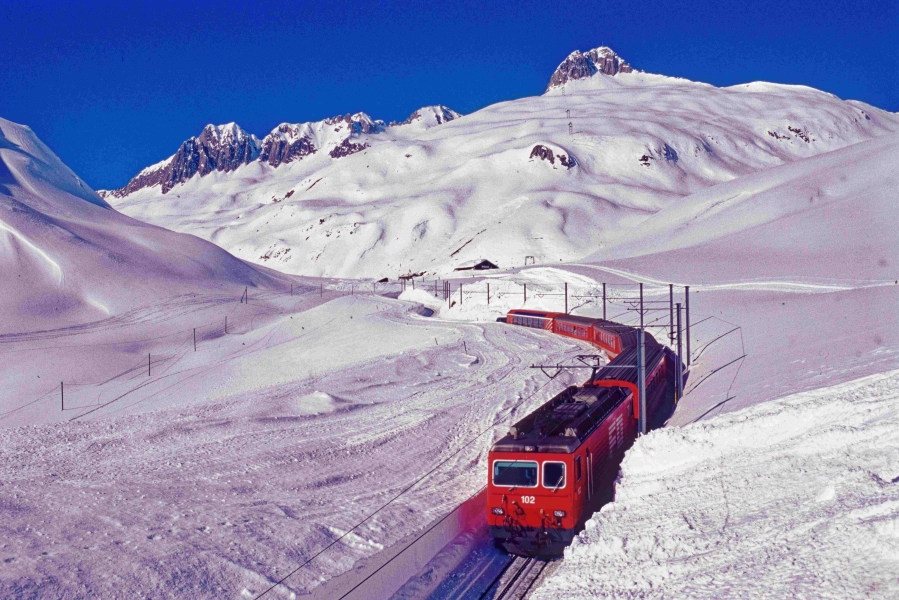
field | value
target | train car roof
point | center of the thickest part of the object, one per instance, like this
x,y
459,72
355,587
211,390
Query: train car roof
x,y
561,424
533,313
554,426
588,321
595,322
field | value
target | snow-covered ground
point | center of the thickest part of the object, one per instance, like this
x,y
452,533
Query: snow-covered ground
x,y
233,464
795,498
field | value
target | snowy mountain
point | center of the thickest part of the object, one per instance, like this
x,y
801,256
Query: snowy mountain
x,y
73,258
429,116
579,65
217,148
552,177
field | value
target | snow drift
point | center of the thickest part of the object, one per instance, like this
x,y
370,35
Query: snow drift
x,y
794,498
73,258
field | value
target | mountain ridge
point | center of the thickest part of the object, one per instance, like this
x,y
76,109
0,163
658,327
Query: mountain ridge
x,y
227,147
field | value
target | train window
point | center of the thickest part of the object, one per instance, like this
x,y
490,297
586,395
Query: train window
x,y
515,473
577,468
553,475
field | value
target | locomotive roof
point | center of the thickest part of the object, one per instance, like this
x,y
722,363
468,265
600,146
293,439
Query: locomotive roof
x,y
565,421
547,429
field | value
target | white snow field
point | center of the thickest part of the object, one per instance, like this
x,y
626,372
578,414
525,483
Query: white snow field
x,y
429,199
795,498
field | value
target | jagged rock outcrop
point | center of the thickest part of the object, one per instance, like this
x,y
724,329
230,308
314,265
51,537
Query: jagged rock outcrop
x,y
602,60
217,148
430,116
286,143
222,148
345,148
542,152
359,123
226,147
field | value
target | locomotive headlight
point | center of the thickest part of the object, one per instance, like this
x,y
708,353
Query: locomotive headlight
x,y
497,511
556,513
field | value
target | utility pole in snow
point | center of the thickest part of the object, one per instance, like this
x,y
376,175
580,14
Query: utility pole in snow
x,y
603,302
671,313
687,311
680,361
641,372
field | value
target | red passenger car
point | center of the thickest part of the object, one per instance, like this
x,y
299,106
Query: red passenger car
x,y
557,465
531,318
608,335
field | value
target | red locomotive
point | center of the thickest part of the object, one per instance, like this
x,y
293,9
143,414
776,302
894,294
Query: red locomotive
x,y
557,465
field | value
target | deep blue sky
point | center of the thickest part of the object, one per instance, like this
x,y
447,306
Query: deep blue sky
x,y
113,87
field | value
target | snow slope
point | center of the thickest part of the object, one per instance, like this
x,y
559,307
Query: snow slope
x,y
483,185
797,498
75,259
829,217
802,256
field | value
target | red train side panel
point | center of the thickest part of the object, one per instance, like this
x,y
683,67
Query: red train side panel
x,y
532,318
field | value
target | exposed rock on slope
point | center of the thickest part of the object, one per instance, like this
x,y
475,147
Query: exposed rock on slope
x,y
345,148
217,148
429,116
579,65
545,153
286,143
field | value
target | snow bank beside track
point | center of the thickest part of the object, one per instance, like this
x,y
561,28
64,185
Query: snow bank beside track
x,y
797,497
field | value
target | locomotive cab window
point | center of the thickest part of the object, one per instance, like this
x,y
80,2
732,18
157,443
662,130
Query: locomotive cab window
x,y
515,473
577,468
553,475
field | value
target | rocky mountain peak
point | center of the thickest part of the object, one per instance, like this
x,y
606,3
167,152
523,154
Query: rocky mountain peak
x,y
358,123
429,116
229,133
216,148
287,142
579,65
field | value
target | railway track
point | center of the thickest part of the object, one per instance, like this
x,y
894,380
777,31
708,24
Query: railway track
x,y
515,580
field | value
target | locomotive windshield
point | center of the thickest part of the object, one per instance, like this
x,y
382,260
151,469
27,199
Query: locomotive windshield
x,y
553,475
518,473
